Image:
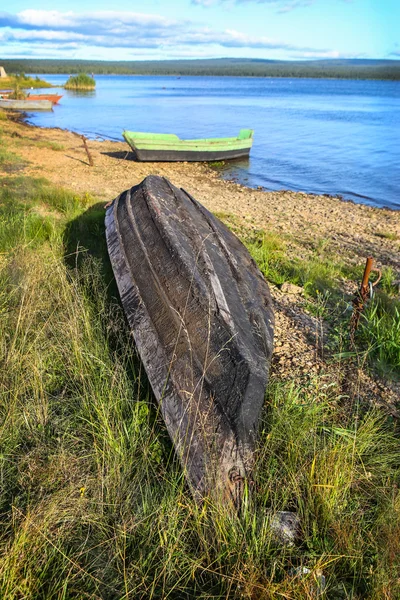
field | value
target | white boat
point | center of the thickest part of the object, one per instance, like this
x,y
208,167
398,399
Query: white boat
x,y
28,105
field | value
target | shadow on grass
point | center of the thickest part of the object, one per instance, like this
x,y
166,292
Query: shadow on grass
x,y
85,237
86,255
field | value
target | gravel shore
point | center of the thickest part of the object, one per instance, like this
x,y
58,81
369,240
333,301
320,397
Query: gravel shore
x,y
355,230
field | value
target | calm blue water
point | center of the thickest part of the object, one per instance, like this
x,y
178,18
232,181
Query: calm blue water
x,y
321,136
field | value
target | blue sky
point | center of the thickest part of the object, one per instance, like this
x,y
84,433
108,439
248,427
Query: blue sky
x,y
162,29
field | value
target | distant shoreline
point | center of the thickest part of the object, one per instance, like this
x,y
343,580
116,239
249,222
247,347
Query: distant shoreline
x,y
355,69
225,76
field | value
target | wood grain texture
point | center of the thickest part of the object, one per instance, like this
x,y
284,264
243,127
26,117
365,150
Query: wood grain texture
x,y
201,315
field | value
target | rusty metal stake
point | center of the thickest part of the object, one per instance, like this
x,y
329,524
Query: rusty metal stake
x,y
362,296
91,163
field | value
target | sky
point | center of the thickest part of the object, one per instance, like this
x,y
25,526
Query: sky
x,y
174,29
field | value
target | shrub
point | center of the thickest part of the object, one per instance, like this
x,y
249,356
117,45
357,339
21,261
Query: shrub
x,y
83,81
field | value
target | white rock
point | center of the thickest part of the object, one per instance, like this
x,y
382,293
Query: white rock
x,y
285,526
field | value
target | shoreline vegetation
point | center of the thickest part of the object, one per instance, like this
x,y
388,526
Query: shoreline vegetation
x,y
332,68
92,498
82,81
21,81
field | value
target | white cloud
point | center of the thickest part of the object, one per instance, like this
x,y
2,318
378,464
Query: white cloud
x,y
128,30
289,6
396,51
282,6
102,21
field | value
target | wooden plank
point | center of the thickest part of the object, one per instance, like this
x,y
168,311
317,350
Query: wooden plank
x,y
201,315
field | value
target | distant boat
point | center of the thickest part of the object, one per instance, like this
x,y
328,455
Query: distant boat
x,y
28,105
168,147
53,98
202,318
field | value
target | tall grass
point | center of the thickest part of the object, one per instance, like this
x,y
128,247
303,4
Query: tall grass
x,y
83,81
93,503
317,271
24,82
319,274
380,335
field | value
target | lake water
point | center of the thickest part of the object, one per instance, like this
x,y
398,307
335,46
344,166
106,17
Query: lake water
x,y
314,135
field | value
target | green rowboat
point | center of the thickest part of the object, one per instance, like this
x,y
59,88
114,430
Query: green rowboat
x,y
168,147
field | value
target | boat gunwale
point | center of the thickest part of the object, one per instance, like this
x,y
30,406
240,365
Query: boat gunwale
x,y
204,148
142,140
189,145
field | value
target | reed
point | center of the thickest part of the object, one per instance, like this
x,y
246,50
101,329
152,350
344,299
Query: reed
x,y
80,82
23,81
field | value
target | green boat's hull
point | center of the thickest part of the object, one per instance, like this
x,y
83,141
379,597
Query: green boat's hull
x,y
188,155
168,147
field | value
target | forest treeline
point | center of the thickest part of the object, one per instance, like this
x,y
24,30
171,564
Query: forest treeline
x,y
343,69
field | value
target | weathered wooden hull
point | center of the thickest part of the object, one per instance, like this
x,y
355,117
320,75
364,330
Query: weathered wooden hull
x,y
28,105
201,315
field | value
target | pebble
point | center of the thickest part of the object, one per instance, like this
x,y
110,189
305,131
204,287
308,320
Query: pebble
x,y
285,526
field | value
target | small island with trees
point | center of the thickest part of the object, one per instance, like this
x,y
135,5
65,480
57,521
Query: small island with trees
x,y
83,81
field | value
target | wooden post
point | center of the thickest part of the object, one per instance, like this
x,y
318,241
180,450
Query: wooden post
x,y
360,299
91,163
367,272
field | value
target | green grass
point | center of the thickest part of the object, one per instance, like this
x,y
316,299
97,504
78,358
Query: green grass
x,y
390,282
83,81
9,161
320,275
7,157
23,81
380,335
93,503
316,272
22,200
47,144
387,235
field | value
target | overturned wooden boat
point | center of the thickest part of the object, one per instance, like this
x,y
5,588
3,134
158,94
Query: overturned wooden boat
x,y
168,147
201,315
26,104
